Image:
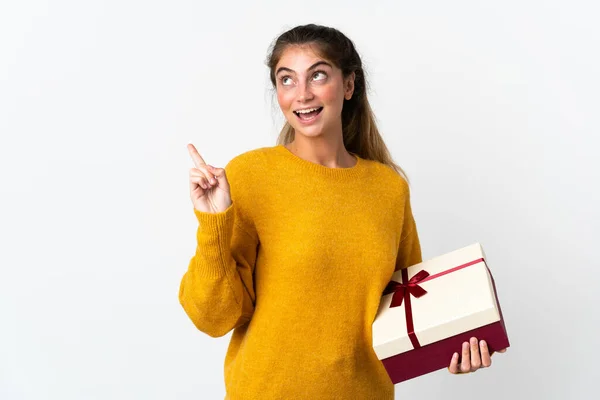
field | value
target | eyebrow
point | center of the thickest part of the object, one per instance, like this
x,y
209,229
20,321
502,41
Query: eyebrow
x,y
315,65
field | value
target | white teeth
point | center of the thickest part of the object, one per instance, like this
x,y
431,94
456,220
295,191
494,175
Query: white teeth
x,y
307,110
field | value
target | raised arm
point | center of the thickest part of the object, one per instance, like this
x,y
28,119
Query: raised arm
x,y
217,290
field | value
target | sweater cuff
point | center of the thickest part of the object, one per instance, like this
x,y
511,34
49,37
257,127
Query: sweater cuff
x,y
215,223
213,251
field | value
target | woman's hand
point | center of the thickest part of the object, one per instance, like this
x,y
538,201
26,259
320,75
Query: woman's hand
x,y
475,355
209,188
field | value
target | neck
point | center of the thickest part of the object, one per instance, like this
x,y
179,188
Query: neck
x,y
329,153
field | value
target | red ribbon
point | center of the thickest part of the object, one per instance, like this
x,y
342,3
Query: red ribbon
x,y
402,291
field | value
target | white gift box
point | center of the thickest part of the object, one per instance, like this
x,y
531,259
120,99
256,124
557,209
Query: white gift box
x,y
457,300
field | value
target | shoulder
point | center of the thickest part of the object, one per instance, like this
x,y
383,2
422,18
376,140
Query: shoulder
x,y
245,174
387,177
247,164
246,159
246,171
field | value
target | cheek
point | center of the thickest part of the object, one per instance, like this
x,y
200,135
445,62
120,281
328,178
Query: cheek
x,y
333,96
284,99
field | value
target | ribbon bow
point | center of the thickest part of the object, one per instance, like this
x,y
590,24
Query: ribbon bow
x,y
401,290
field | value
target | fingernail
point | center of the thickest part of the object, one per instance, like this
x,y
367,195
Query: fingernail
x,y
483,343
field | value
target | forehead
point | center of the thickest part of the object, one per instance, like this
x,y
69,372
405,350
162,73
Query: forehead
x,y
300,57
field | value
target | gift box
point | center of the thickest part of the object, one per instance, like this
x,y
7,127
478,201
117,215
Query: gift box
x,y
429,309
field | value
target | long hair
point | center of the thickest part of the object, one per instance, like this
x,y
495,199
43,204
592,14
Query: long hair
x,y
359,129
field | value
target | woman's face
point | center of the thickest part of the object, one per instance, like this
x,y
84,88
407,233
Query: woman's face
x,y
309,83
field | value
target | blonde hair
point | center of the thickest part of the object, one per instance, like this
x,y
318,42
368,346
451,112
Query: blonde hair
x,y
359,128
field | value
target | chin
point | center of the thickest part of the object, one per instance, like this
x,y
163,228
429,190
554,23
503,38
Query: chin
x,y
310,132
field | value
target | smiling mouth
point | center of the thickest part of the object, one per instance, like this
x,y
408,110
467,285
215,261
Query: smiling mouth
x,y
307,116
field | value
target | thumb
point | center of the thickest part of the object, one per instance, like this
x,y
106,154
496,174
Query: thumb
x,y
219,173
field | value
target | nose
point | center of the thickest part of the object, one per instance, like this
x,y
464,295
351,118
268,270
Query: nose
x,y
304,92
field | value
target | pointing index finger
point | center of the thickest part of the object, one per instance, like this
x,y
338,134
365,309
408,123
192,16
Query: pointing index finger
x,y
196,157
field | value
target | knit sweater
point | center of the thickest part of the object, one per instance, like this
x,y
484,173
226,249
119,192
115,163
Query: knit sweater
x,y
296,267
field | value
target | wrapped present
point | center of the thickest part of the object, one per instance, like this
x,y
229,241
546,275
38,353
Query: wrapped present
x,y
429,309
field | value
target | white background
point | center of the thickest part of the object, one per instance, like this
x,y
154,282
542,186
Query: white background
x,y
491,108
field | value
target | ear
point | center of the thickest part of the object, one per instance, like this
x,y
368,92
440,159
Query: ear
x,y
349,86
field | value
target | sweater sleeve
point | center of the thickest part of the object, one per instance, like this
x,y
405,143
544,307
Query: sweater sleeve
x,y
217,291
409,250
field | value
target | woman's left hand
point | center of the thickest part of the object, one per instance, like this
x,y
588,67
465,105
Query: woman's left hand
x,y
475,355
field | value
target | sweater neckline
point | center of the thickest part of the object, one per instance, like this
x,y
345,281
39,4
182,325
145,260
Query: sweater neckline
x,y
341,172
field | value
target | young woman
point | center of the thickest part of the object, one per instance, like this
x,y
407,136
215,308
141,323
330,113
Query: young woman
x,y
296,242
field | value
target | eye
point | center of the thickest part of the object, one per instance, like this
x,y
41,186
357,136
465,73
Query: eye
x,y
284,80
321,73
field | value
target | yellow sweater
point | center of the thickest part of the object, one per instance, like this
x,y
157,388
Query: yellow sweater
x,y
296,267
